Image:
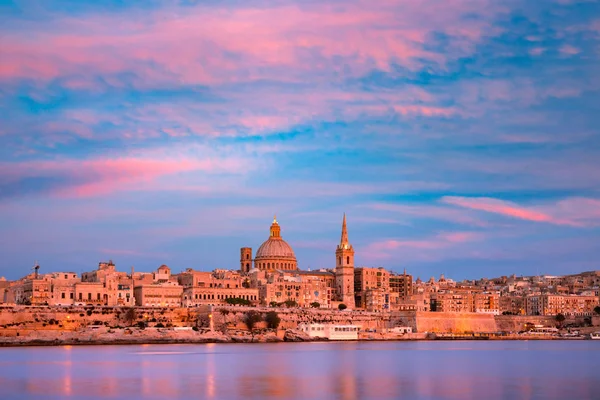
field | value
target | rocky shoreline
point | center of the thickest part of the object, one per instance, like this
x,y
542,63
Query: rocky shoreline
x,y
129,336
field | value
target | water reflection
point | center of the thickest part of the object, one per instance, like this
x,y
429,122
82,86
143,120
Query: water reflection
x,y
444,370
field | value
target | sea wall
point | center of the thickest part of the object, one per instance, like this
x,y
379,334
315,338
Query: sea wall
x,y
516,323
25,320
232,317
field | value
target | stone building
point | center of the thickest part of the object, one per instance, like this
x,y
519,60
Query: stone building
x,y
196,296
554,304
4,285
214,288
62,287
219,278
486,302
372,288
401,284
512,305
43,289
115,288
304,288
165,294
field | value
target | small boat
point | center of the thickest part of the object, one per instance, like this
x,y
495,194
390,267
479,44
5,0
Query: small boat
x,y
595,335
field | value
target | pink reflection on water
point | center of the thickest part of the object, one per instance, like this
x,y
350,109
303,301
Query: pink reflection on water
x,y
306,370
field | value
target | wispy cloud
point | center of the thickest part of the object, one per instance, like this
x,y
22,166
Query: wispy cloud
x,y
571,211
101,176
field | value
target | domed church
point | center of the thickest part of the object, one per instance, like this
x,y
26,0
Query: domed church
x,y
273,254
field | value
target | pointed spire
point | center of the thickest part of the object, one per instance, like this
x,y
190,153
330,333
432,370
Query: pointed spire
x,y
275,218
344,239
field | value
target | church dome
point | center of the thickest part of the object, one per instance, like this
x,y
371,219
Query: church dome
x,y
275,253
275,247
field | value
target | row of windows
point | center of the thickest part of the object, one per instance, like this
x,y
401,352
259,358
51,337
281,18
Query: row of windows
x,y
345,329
89,296
275,265
223,297
166,296
220,285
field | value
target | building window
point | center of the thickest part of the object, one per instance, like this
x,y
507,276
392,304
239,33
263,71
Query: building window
x,y
63,295
348,260
71,296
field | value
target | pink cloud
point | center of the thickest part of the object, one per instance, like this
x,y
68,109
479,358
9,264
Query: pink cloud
x,y
569,50
571,211
194,47
422,248
96,177
498,207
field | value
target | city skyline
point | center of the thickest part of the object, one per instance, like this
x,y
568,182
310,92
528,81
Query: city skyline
x,y
459,138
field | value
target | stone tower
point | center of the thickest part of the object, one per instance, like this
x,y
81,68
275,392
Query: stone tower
x,y
245,259
344,269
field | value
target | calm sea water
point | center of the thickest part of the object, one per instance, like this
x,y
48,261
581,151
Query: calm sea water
x,y
377,370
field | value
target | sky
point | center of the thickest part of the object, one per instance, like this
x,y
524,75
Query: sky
x,y
460,137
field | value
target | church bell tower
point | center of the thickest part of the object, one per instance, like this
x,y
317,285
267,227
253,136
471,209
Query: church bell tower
x,y
344,269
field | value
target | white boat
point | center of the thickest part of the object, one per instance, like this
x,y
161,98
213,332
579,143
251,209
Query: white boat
x,y
595,336
330,331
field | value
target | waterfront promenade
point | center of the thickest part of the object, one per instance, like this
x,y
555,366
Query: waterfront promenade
x,y
346,370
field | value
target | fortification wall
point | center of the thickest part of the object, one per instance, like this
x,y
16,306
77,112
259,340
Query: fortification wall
x,y
441,322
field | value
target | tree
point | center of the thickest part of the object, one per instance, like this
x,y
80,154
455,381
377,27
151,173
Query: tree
x,y
290,303
130,316
560,319
315,304
237,300
251,318
224,312
273,304
272,319
342,306
597,309
203,321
